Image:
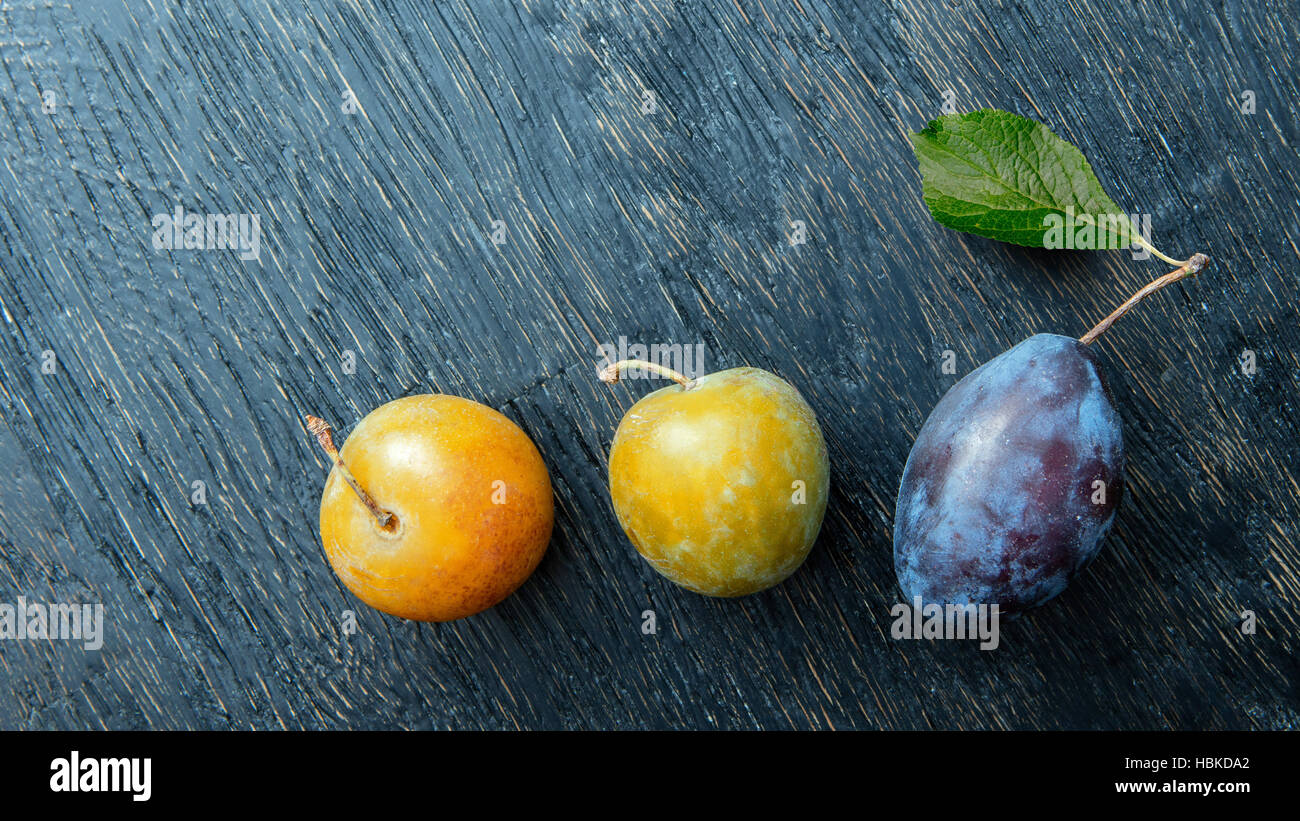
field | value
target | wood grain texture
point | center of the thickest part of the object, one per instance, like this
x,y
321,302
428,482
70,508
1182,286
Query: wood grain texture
x,y
669,225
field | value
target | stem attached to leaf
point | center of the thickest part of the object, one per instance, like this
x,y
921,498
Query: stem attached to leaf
x,y
1140,240
1191,267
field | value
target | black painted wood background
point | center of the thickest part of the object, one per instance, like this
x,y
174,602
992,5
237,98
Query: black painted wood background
x,y
663,218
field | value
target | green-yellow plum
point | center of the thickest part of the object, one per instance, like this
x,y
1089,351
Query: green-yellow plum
x,y
720,482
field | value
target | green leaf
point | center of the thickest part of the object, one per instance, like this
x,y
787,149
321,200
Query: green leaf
x,y
1008,178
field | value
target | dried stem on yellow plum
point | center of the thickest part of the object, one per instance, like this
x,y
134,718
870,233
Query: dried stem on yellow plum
x,y
325,435
614,372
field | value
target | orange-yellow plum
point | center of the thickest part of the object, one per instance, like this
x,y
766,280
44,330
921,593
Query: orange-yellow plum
x,y
437,507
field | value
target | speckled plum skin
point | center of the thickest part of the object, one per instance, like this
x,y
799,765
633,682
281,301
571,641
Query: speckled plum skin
x,y
997,504
703,481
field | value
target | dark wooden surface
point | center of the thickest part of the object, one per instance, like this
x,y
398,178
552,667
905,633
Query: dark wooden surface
x,y
667,226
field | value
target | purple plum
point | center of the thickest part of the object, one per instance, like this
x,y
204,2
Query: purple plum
x,y
1013,480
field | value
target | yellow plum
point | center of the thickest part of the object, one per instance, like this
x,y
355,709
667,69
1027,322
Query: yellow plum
x,y
437,508
721,481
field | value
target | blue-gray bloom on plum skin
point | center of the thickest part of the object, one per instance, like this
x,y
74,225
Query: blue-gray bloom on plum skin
x,y
999,502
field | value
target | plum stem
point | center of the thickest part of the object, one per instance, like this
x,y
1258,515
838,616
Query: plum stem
x,y
1138,239
1191,267
325,435
612,373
